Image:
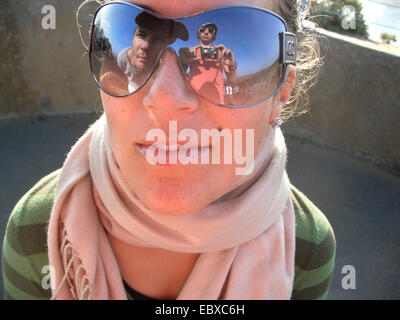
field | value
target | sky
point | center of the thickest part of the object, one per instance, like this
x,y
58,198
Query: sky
x,y
381,16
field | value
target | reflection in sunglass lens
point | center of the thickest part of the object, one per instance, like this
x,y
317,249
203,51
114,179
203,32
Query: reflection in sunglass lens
x,y
232,69
125,46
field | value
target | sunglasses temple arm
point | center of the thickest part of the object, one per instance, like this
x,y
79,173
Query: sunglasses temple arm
x,y
287,48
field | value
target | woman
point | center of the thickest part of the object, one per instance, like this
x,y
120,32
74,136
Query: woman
x,y
138,209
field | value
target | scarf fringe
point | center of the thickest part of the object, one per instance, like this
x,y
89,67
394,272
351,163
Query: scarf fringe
x,y
75,273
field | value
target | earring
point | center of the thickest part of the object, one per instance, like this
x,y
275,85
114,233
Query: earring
x,y
277,122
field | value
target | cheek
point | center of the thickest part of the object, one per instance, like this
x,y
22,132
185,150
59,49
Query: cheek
x,y
113,111
255,118
258,122
119,119
119,111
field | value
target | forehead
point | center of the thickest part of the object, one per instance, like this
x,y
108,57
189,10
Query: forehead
x,y
180,8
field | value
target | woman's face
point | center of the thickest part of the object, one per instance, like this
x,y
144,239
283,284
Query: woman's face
x,y
180,189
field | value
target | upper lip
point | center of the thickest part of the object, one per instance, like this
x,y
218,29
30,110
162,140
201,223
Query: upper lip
x,y
170,146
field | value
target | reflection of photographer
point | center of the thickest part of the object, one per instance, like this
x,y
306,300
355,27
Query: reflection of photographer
x,y
209,62
206,34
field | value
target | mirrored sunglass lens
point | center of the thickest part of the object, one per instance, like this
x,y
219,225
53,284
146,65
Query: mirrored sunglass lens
x,y
241,65
125,45
238,67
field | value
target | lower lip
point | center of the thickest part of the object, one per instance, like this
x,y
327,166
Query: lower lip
x,y
190,156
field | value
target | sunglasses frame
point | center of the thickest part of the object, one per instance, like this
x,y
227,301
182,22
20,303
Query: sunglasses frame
x,y
287,50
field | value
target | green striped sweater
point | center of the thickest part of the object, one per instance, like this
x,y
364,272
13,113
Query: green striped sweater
x,y
25,256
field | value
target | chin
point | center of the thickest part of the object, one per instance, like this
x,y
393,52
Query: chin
x,y
174,210
173,206
177,191
173,199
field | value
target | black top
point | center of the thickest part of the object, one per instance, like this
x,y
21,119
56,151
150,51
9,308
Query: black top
x,y
135,294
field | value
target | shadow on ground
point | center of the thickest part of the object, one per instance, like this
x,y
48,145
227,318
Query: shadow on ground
x,y
361,202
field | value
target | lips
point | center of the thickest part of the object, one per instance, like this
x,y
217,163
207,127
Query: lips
x,y
174,155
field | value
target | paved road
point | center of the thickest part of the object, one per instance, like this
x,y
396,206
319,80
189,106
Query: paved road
x,y
361,201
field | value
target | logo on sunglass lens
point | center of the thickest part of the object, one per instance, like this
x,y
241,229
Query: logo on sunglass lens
x,y
290,49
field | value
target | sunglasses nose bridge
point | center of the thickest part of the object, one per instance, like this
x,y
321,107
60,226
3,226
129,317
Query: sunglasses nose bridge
x,y
172,50
162,52
160,60
169,91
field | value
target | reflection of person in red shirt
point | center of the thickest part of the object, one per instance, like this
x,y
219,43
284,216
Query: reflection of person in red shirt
x,y
208,63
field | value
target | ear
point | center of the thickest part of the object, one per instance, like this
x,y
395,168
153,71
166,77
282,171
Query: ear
x,y
283,96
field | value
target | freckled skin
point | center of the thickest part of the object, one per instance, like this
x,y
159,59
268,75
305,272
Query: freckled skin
x,y
166,97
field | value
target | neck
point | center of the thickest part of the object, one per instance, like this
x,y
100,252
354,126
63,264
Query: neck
x,y
206,44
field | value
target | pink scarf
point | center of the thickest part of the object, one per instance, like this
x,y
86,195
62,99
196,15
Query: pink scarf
x,y
247,243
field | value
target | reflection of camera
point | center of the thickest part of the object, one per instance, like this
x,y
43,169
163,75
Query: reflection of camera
x,y
209,53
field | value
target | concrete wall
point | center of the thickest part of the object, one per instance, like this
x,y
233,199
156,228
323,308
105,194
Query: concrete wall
x,y
354,107
42,71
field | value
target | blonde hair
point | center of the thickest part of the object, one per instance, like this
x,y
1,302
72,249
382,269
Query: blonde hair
x,y
308,60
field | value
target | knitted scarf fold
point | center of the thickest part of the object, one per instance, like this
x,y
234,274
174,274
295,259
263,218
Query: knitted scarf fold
x,y
246,243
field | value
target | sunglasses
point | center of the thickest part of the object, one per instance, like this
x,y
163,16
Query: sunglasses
x,y
210,30
127,41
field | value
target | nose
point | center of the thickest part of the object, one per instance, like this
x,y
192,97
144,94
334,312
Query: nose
x,y
145,45
169,93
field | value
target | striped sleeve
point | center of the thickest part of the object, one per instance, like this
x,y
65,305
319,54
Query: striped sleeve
x,y
25,255
315,250
25,249
24,246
